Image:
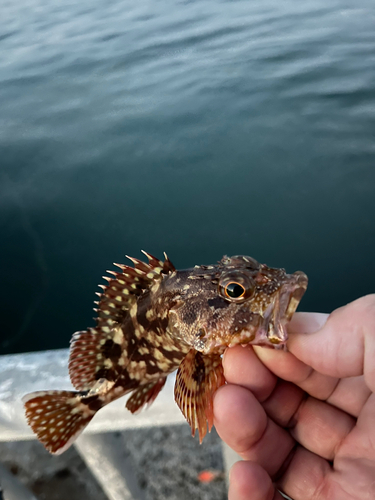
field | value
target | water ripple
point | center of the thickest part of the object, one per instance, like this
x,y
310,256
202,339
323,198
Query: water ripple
x,y
198,127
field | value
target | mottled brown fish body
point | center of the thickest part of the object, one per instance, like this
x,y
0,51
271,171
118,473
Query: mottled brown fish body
x,y
153,320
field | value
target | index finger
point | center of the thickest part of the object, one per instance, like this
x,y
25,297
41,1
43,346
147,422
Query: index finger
x,y
343,345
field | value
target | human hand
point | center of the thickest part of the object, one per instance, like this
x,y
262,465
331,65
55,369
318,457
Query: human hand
x,y
304,420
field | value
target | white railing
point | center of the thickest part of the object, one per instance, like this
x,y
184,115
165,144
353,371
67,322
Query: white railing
x,y
47,370
23,373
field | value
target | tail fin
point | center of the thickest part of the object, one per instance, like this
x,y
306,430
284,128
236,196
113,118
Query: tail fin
x,y
58,417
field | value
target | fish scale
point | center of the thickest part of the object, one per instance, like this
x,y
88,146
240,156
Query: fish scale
x,y
153,319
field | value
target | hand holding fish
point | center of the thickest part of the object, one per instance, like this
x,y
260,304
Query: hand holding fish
x,y
304,420
153,319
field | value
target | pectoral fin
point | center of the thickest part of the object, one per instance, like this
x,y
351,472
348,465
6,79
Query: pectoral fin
x,y
198,377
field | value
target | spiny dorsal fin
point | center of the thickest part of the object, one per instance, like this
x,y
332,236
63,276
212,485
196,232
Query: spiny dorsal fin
x,y
198,377
119,294
168,267
96,352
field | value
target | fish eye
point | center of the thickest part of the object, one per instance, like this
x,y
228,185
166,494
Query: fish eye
x,y
236,286
234,290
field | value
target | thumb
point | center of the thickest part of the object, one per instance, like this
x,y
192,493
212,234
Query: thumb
x,y
341,344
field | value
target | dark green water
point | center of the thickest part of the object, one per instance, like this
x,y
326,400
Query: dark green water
x,y
201,128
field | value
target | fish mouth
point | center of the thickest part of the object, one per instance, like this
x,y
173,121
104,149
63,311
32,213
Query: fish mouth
x,y
282,310
270,328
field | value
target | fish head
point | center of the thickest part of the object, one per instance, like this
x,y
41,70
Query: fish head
x,y
238,301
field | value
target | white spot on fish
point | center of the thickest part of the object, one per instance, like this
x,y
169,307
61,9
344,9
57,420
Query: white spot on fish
x,y
133,310
163,365
149,314
108,363
118,336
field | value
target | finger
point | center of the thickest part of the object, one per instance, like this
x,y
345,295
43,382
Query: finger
x,y
362,437
286,366
307,322
250,480
349,394
283,403
344,346
243,367
306,477
320,427
316,425
243,424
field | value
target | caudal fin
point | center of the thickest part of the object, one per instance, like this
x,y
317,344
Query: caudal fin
x,y
57,417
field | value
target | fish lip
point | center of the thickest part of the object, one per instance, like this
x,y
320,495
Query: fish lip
x,y
284,306
296,293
